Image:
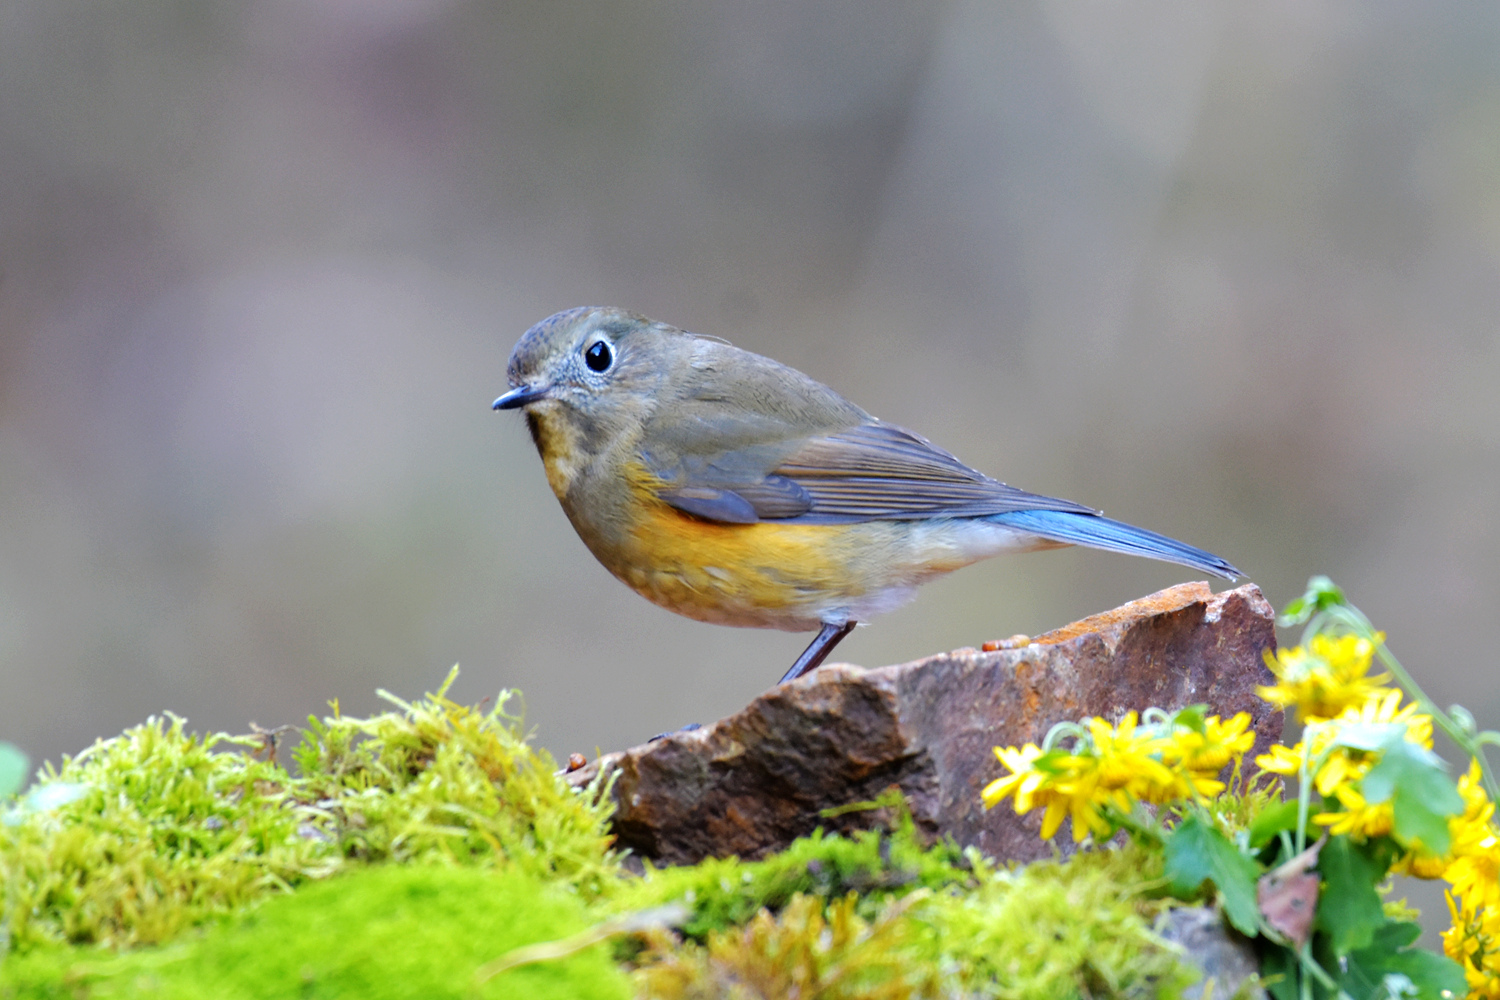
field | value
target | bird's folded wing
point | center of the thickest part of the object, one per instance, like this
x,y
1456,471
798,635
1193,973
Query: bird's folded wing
x,y
871,471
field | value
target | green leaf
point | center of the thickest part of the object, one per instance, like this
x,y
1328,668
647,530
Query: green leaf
x,y
1321,595
1349,908
1369,736
1422,796
1187,857
1264,828
1196,851
1278,972
1464,719
13,765
1192,717
1432,976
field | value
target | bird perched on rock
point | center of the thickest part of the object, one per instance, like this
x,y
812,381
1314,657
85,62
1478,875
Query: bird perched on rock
x,y
733,489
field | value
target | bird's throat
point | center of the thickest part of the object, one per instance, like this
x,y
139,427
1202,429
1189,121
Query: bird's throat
x,y
560,443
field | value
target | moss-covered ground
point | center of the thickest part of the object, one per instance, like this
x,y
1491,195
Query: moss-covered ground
x,y
431,852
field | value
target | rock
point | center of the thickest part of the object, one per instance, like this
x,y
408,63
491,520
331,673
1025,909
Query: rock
x,y
1226,958
753,782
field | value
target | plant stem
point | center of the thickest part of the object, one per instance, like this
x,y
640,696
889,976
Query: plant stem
x,y
1468,742
1304,790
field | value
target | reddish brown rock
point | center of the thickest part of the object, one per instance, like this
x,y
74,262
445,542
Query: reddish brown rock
x,y
753,782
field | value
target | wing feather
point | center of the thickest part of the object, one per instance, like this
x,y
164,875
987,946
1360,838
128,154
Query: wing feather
x,y
867,472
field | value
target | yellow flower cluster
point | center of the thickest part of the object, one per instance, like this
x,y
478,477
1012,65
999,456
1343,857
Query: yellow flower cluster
x,y
1326,677
1343,766
1472,869
1096,774
1329,683
1108,769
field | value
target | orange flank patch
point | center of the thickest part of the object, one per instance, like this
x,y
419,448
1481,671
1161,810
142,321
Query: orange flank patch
x,y
769,574
740,574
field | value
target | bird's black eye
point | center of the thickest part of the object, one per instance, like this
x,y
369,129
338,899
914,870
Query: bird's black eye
x,y
598,356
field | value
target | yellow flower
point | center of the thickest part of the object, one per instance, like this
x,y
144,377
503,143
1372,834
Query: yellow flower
x,y
1081,804
1034,782
1473,827
1325,677
1108,769
1345,765
1358,817
1198,757
1023,780
1341,768
1127,762
1102,772
1472,877
1386,707
1474,871
1419,864
1281,759
1474,943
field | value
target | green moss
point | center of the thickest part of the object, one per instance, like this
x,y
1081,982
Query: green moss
x,y
439,779
902,920
393,932
1080,928
1046,931
412,847
875,864
810,949
164,830
161,830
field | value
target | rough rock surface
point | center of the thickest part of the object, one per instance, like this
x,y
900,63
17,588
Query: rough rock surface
x,y
751,783
1226,959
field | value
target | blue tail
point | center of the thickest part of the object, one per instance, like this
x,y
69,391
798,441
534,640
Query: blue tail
x,y
1115,536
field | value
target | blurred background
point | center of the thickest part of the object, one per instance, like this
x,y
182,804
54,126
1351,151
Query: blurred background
x,y
1227,271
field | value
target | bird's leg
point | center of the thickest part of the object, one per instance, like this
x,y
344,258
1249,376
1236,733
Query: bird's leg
x,y
817,650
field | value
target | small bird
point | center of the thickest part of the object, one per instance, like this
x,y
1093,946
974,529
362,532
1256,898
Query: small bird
x,y
732,489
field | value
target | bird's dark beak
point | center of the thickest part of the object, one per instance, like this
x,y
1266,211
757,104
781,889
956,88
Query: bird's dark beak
x,y
520,396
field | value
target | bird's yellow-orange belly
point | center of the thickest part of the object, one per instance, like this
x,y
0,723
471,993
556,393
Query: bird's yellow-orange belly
x,y
767,575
